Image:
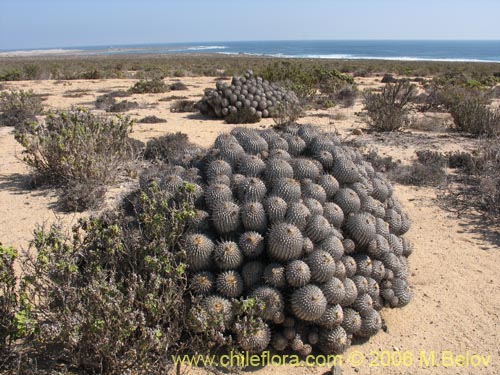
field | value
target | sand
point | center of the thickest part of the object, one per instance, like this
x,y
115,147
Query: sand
x,y
454,267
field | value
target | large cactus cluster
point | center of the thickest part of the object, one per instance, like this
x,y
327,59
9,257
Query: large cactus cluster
x,y
255,95
300,223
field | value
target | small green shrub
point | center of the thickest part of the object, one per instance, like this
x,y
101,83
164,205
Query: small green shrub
x,y
75,147
470,110
306,80
91,74
8,297
152,86
19,107
11,75
388,110
111,293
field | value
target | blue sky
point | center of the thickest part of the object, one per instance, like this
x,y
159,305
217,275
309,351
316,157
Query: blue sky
x,y
66,23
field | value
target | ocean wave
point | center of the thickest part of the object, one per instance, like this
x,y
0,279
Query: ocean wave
x,y
357,57
197,48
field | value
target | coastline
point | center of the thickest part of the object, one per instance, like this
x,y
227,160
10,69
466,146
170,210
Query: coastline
x,y
379,50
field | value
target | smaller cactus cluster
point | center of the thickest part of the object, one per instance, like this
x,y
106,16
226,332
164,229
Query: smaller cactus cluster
x,y
255,95
299,222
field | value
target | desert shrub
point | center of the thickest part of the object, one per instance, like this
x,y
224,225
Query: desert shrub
x,y
107,100
183,105
8,298
428,169
32,71
346,95
74,148
430,100
123,106
19,107
306,80
152,86
388,110
92,74
168,147
463,161
111,293
488,172
286,113
151,120
479,177
388,78
177,86
11,75
470,110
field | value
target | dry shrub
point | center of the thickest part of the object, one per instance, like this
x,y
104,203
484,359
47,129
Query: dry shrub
x,y
178,86
105,101
79,152
286,113
183,105
151,120
19,107
167,148
388,78
152,86
479,174
123,106
470,110
428,169
388,110
346,95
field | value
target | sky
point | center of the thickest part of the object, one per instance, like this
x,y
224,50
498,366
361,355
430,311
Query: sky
x,y
27,24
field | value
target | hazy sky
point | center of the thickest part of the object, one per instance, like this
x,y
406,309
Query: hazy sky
x,y
66,23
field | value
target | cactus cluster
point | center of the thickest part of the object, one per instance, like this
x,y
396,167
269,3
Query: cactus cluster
x,y
258,97
300,222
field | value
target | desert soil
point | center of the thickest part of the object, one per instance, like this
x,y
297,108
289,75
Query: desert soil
x,y
454,267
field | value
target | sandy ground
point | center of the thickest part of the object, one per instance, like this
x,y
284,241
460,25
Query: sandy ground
x,y
454,268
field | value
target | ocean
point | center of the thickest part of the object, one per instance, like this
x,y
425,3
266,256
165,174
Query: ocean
x,y
410,50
